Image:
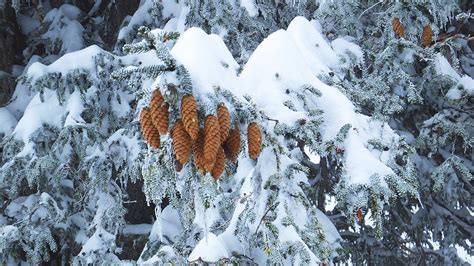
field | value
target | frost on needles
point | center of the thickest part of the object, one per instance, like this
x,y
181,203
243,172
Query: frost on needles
x,y
376,123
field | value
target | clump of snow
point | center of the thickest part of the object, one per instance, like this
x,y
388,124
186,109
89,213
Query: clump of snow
x,y
74,108
8,122
84,59
342,47
194,49
249,5
100,240
454,93
209,249
75,60
465,83
65,28
443,67
139,18
167,225
311,43
36,114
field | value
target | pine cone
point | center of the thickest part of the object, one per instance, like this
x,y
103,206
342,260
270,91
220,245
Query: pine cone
x,y
189,114
224,121
219,164
359,215
232,144
198,150
254,138
150,133
211,141
427,36
159,112
181,142
398,28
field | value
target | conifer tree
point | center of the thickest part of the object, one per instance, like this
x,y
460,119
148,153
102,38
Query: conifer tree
x,y
416,83
224,131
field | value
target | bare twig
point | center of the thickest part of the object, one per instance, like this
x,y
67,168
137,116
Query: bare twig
x,y
265,214
361,14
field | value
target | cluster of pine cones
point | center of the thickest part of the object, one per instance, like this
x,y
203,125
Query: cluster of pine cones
x,y
399,30
210,145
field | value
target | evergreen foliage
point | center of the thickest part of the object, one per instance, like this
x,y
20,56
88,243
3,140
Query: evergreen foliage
x,y
377,123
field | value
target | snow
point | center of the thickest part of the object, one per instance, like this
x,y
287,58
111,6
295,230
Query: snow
x,y
167,225
65,27
444,68
171,8
8,122
137,229
37,114
249,5
312,43
19,101
27,24
98,241
209,249
74,60
193,50
289,59
465,83
330,230
342,46
140,17
74,108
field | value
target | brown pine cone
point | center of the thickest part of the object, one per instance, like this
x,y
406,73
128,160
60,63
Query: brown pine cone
x,y
211,141
232,144
219,164
150,133
198,150
182,143
427,36
254,138
224,121
189,114
398,28
159,112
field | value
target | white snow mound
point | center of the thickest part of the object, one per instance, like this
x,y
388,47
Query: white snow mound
x,y
209,249
289,59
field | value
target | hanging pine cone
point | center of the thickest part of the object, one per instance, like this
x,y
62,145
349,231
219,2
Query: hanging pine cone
x,y
189,114
181,142
254,138
427,36
198,150
232,144
219,164
211,141
159,112
359,215
224,121
150,133
398,28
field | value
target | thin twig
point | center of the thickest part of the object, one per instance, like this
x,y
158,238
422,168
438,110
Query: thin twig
x,y
369,9
265,214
